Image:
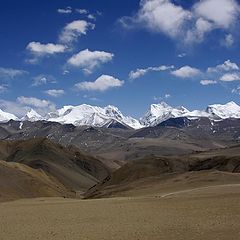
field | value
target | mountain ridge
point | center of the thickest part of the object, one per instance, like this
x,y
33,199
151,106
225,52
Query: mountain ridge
x,y
111,116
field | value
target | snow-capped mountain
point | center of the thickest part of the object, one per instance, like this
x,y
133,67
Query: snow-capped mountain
x,y
229,110
110,116
92,116
197,114
5,117
158,113
161,112
32,116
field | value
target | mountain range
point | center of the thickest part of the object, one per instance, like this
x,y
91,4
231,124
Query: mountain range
x,y
111,116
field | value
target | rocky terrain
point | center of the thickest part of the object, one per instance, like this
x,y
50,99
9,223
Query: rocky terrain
x,y
39,167
65,176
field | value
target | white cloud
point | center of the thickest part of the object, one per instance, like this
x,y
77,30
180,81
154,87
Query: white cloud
x,y
226,66
82,11
102,84
228,41
3,88
10,73
236,90
13,107
88,60
199,31
55,92
40,80
24,104
137,74
207,82
227,72
99,13
186,72
181,55
192,24
91,98
43,79
159,16
230,77
223,13
75,29
65,72
167,95
141,72
158,99
91,17
66,10
40,49
224,16
35,102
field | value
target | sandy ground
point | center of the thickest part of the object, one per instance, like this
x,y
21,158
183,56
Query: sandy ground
x,y
203,213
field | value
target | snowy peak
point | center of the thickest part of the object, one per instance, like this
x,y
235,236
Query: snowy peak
x,y
5,117
195,114
229,110
92,116
64,110
113,112
158,113
111,117
32,116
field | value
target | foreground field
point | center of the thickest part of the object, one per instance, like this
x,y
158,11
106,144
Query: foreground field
x,y
201,213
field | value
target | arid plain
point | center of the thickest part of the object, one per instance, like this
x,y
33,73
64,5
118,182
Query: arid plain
x,y
197,213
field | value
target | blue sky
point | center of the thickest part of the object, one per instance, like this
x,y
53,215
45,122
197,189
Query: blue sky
x,y
124,53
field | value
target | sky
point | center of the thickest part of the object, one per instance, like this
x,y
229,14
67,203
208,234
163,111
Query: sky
x,y
129,54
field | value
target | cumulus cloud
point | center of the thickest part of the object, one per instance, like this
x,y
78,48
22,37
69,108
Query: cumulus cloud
x,y
55,92
225,14
199,31
173,20
66,10
74,30
23,104
226,66
186,72
101,84
159,16
40,49
227,72
43,79
141,72
230,77
35,102
88,60
13,107
208,82
10,73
